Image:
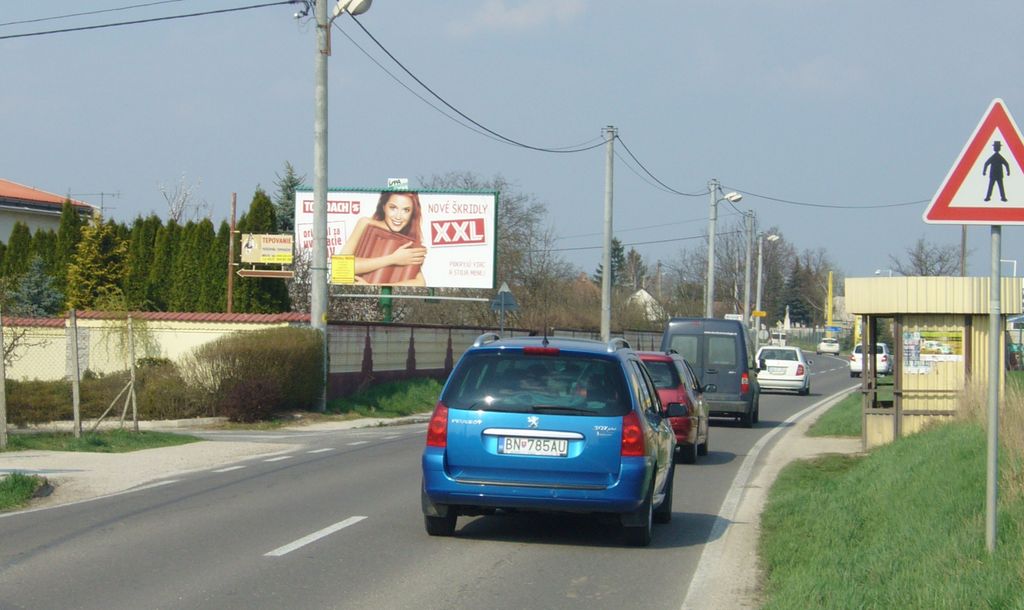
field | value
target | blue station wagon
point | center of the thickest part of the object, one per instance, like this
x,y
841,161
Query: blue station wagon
x,y
549,424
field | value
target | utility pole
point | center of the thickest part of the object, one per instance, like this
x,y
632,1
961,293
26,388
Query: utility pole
x,y
101,195
749,219
318,266
606,265
709,282
231,258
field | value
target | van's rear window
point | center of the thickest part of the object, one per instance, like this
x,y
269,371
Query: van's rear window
x,y
563,384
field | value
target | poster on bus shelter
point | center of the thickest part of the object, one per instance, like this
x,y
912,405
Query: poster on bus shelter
x,y
407,238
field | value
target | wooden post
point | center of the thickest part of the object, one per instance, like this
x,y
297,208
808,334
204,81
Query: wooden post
x,y
131,373
75,375
3,386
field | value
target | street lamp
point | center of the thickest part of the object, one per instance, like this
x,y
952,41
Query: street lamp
x,y
318,276
709,288
760,257
879,271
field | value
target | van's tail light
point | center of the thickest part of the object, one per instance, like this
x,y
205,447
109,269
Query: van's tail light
x,y
632,436
799,370
885,358
744,383
437,430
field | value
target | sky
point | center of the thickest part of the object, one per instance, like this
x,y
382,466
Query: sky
x,y
851,113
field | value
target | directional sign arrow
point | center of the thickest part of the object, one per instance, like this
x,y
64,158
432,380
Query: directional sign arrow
x,y
284,275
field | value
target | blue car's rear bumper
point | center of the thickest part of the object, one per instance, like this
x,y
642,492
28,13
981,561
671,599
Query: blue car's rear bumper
x,y
625,495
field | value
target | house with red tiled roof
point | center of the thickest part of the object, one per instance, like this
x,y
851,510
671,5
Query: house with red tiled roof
x,y
38,209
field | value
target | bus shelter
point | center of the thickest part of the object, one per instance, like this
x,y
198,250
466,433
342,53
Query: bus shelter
x,y
939,331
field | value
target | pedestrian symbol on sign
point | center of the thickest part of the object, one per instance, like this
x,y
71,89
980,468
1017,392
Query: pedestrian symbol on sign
x,y
996,163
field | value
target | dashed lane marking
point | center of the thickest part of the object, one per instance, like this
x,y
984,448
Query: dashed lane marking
x,y
278,458
301,542
229,469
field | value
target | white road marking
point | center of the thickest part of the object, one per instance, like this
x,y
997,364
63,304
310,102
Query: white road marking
x,y
301,542
388,438
324,450
278,458
157,484
229,468
359,443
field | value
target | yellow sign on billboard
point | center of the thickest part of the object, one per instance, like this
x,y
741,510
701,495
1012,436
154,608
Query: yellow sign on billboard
x,y
343,269
757,313
272,249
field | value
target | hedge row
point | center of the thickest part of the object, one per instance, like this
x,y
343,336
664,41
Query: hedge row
x,y
246,377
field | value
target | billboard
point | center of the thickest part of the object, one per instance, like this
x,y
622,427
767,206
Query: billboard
x,y
407,238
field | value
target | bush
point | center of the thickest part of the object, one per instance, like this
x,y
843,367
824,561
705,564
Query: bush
x,y
253,376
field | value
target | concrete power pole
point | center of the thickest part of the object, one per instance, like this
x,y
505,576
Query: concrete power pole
x,y
606,264
749,218
318,275
709,282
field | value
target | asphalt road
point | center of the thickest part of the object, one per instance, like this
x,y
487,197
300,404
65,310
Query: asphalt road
x,y
337,524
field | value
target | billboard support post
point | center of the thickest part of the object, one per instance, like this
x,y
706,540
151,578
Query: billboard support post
x,y
386,303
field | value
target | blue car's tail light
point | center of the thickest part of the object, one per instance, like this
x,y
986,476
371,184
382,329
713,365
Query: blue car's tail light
x,y
632,436
437,430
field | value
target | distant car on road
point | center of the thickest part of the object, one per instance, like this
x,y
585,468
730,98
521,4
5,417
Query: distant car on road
x,y
883,360
678,387
549,424
783,368
828,345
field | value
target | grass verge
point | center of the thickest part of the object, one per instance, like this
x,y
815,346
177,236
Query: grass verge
x,y
16,490
104,441
843,419
902,527
395,399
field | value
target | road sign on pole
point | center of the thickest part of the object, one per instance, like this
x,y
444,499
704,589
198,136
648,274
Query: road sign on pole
x,y
265,273
986,183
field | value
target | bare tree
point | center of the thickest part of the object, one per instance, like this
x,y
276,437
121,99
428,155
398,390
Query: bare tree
x,y
924,259
180,196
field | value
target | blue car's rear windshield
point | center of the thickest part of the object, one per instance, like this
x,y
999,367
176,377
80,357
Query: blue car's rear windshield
x,y
570,384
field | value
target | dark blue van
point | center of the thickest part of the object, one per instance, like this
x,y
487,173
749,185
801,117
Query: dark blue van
x,y
722,354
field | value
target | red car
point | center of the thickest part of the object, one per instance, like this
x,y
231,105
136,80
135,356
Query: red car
x,y
677,384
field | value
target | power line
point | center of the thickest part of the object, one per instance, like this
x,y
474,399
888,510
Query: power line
x,y
831,206
638,243
150,20
655,178
508,140
96,12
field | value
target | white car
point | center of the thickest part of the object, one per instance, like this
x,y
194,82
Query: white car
x,y
783,368
828,345
883,360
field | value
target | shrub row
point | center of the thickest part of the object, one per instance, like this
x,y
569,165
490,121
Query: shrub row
x,y
245,377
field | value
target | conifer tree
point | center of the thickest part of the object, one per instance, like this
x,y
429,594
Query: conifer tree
x,y
69,233
189,260
44,245
213,297
19,249
284,200
97,268
142,242
159,282
35,294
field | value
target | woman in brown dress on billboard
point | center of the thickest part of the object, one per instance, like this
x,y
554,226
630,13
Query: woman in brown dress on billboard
x,y
388,247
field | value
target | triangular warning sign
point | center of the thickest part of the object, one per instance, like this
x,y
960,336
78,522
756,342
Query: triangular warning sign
x,y
986,184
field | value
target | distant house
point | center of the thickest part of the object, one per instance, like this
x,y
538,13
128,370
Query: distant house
x,y
652,310
37,209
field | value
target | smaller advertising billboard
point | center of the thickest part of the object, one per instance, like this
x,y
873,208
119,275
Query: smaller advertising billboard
x,y
273,249
407,238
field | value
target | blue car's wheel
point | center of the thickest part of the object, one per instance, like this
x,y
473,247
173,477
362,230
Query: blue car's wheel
x,y
441,526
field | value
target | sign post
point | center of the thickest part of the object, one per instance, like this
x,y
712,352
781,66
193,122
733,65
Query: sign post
x,y
504,301
987,190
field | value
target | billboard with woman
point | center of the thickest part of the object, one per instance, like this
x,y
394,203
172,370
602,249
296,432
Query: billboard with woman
x,y
407,238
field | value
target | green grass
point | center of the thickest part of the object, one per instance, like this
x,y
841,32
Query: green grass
x,y
903,527
104,441
1015,381
16,490
390,399
843,419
